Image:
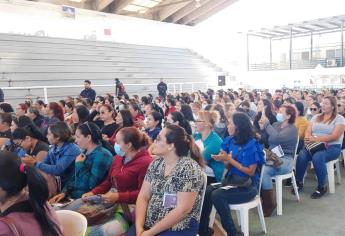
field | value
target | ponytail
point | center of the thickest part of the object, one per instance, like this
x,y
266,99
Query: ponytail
x,y
184,143
195,153
38,196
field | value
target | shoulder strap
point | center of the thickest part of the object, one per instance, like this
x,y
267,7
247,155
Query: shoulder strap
x,y
11,225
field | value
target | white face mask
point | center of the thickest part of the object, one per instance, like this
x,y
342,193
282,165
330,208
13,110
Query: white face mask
x,y
121,107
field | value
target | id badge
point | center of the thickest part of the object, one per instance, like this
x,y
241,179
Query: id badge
x,y
169,200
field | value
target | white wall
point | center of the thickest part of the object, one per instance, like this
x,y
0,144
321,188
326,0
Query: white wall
x,y
18,16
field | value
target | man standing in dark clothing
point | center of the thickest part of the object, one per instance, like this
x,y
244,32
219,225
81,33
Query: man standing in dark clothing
x,y
119,88
2,99
162,89
88,92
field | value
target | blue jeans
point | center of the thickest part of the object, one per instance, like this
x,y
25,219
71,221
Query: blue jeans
x,y
270,171
221,199
319,160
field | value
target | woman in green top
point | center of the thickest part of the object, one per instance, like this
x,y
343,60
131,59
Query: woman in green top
x,y
91,167
211,142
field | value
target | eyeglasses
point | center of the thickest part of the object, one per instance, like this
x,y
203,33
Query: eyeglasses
x,y
313,109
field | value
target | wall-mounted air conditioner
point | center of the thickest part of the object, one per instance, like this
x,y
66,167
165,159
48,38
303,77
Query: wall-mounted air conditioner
x,y
331,63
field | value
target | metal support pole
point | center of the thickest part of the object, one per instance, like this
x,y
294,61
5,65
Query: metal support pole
x,y
290,51
271,52
247,52
342,43
311,47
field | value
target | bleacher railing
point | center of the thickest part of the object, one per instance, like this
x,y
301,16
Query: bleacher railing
x,y
131,89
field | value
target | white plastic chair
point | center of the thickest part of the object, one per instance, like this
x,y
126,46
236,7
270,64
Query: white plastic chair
x,y
330,173
279,184
243,209
73,223
203,193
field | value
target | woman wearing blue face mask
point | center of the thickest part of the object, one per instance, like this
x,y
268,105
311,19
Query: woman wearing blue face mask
x,y
283,133
124,180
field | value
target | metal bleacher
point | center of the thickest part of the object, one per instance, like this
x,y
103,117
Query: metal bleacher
x,y
27,61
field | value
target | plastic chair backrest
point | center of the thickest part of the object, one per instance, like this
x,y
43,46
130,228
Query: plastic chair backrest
x,y
261,174
72,223
295,153
203,191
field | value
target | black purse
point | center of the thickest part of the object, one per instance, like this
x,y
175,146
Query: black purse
x,y
315,147
237,181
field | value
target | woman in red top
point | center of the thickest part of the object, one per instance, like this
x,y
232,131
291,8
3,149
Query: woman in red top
x,y
170,106
136,113
123,119
124,180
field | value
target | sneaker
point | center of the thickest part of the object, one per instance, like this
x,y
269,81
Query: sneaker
x,y
299,188
320,191
288,183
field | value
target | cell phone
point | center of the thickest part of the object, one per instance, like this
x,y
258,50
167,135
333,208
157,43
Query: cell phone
x,y
96,199
63,203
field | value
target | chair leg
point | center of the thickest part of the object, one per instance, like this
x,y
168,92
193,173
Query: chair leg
x,y
337,167
330,173
244,222
294,184
262,218
238,215
212,217
279,195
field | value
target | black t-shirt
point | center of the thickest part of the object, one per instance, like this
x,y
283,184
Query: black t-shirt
x,y
109,129
40,146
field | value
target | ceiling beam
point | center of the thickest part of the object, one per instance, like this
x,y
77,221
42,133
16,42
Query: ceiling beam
x,y
185,11
200,11
102,4
120,4
216,9
165,12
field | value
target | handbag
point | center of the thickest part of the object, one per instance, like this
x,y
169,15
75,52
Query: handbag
x,y
315,147
237,181
272,159
97,214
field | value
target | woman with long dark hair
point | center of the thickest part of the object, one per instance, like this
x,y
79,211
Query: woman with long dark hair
x,y
29,214
177,118
169,202
243,156
54,115
123,183
123,119
153,125
282,133
91,167
28,139
61,156
264,106
327,127
107,114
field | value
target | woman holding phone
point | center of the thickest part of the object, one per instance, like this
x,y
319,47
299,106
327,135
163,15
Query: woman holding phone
x,y
243,156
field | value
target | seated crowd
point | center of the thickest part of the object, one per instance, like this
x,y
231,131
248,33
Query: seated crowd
x,y
157,166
